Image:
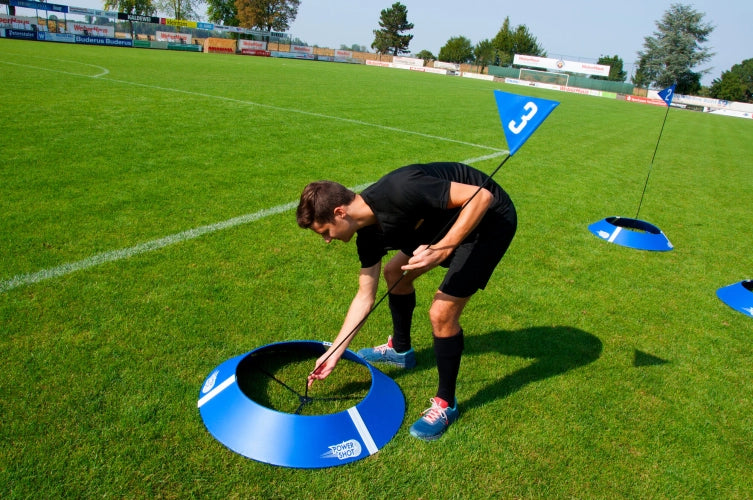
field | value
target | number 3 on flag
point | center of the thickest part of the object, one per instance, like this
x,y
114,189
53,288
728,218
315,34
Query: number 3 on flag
x,y
522,114
516,129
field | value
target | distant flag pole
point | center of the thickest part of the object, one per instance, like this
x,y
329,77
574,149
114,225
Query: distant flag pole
x,y
635,233
666,95
521,116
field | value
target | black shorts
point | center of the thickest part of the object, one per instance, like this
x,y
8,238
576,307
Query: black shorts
x,y
472,263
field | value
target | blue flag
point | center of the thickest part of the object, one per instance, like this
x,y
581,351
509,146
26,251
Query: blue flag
x,y
667,94
521,116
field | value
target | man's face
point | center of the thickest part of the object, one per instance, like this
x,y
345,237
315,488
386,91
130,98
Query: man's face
x,y
339,229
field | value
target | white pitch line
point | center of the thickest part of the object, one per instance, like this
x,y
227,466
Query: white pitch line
x,y
104,72
306,113
149,246
260,105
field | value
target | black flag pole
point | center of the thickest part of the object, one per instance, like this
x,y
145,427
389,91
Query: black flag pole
x,y
666,113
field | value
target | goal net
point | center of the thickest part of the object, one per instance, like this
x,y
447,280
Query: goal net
x,y
533,75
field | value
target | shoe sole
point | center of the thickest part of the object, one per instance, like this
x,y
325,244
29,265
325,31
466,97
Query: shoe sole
x,y
387,362
405,367
428,438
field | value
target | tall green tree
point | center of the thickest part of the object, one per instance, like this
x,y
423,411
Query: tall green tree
x,y
674,50
381,43
267,15
616,71
393,23
458,49
484,53
735,84
426,56
179,9
136,7
509,42
222,12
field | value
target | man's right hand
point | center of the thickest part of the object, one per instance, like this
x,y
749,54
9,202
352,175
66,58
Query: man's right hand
x,y
324,366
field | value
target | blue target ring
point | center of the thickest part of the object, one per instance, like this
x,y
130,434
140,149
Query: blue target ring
x,y
738,296
632,233
300,441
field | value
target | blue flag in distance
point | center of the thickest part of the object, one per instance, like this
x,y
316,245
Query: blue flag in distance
x,y
667,94
521,116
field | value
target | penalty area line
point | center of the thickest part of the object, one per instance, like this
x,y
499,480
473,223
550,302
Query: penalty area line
x,y
302,112
150,246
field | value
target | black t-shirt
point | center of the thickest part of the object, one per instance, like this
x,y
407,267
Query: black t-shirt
x,y
410,205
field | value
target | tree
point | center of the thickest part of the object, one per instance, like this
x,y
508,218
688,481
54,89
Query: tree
x,y
670,55
426,56
381,43
503,44
136,7
222,12
353,48
179,9
616,71
393,21
267,15
484,53
509,42
458,49
735,84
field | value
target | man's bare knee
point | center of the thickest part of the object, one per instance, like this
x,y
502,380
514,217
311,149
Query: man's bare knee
x,y
445,316
392,272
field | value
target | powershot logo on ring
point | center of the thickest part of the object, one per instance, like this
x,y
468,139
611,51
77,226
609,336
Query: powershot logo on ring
x,y
209,384
345,450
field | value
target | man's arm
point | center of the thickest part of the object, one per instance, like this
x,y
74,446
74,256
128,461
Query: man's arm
x,y
470,215
368,281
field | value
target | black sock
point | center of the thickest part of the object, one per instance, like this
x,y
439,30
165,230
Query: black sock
x,y
401,307
448,351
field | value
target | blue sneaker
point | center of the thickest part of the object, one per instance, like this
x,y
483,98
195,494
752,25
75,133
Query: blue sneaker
x,y
435,420
386,354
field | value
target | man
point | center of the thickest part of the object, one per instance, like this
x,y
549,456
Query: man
x,y
446,214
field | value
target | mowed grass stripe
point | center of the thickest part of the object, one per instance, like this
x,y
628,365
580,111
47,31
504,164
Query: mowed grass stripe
x,y
149,246
261,105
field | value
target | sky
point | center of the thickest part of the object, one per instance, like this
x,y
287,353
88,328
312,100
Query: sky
x,y
573,30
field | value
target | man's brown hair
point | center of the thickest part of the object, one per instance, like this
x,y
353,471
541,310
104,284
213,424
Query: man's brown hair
x,y
319,200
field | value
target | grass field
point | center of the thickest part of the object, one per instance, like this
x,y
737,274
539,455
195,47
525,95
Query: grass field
x,y
147,236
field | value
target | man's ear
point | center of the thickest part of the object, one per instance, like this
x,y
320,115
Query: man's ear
x,y
340,211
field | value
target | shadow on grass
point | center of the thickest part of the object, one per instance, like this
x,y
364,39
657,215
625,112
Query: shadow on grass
x,y
641,359
553,351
